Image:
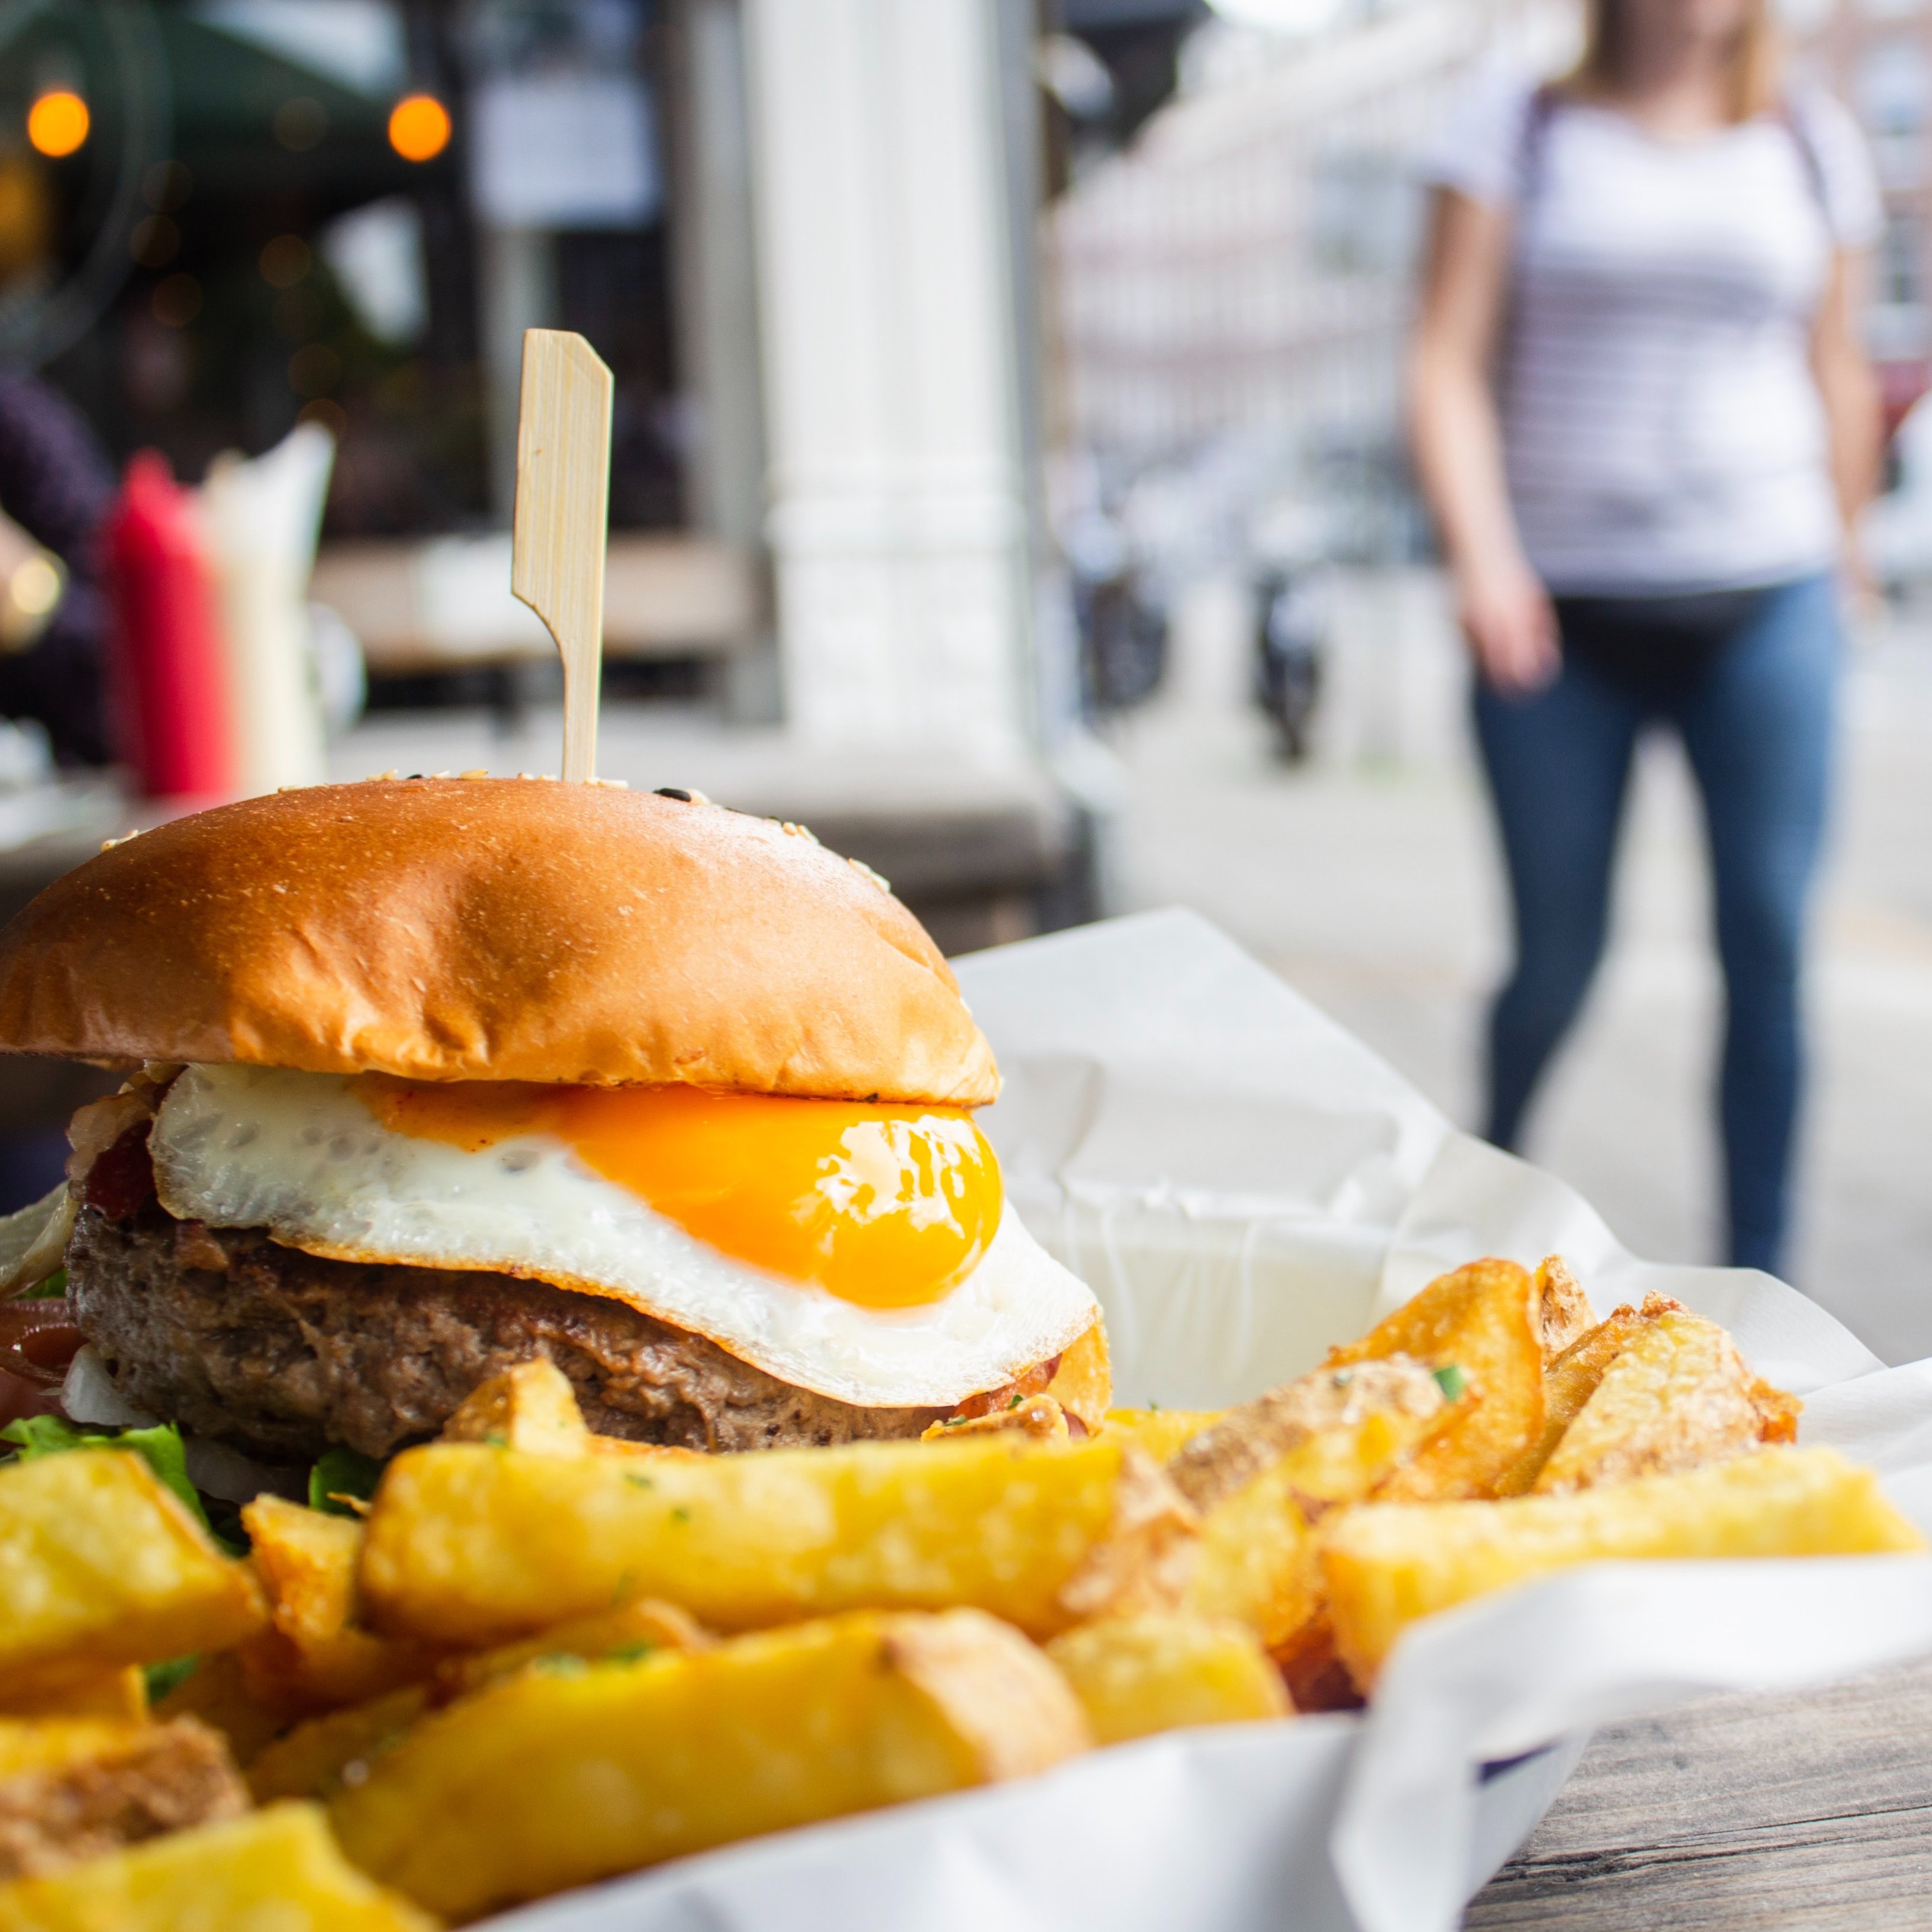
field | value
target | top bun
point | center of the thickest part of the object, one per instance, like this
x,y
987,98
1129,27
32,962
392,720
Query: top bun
x,y
494,929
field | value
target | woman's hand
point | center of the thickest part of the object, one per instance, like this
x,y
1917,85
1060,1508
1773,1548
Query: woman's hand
x,y
1511,624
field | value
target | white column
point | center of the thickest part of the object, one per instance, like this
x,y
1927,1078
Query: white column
x,y
895,510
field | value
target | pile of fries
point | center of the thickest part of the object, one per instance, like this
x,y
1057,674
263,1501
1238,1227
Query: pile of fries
x,y
538,1658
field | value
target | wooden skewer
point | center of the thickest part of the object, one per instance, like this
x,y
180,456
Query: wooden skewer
x,y
563,496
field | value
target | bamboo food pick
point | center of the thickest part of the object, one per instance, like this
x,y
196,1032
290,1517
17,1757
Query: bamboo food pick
x,y
563,494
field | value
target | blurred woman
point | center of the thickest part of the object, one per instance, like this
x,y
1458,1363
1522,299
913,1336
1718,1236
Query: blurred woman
x,y
1644,422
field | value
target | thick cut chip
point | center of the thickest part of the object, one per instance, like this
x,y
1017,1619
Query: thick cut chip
x,y
1082,1382
1344,1428
473,1546
1316,1677
552,1780
121,1692
1570,1381
1039,1417
217,1692
1563,1313
1485,1320
1135,1675
1160,1431
1257,1564
632,1631
1387,1564
100,1566
273,1869
1676,1395
531,1407
315,1656
1263,1472
317,1759
79,1789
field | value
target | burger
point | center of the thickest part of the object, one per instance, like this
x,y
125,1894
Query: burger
x,y
432,1076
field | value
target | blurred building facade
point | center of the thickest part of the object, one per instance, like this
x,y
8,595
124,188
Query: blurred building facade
x,y
1876,55
800,237
1234,289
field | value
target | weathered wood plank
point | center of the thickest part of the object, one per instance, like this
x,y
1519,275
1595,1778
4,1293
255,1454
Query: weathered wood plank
x,y
1812,1810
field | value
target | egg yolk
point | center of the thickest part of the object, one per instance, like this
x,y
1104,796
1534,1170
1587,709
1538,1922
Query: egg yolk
x,y
886,1206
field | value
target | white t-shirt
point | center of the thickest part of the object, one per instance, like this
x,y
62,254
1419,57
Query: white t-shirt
x,y
1662,430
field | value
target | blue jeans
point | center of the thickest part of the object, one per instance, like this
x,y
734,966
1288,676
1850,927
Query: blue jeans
x,y
1756,721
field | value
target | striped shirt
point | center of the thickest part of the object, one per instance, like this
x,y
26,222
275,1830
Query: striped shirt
x,y
1662,430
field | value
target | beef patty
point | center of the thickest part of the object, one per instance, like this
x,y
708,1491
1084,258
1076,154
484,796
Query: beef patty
x,y
280,1353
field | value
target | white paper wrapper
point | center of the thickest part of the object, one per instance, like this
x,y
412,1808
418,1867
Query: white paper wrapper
x,y
1242,1183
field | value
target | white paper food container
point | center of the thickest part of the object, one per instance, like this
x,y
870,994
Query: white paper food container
x,y
1243,1184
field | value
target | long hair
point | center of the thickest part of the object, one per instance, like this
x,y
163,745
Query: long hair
x,y
1756,75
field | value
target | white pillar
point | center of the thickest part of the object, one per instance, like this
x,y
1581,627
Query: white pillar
x,y
895,510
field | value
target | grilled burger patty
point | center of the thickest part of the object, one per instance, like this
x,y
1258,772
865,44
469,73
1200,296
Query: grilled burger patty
x,y
280,1353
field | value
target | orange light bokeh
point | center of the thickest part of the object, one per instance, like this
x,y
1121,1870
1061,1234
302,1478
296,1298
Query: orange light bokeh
x,y
419,127
57,124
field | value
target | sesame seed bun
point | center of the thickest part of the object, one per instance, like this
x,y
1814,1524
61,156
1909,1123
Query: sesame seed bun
x,y
494,929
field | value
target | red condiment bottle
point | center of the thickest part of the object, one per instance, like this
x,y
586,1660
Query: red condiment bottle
x,y
168,690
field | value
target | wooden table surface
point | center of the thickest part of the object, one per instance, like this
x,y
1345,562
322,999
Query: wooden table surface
x,y
1811,1810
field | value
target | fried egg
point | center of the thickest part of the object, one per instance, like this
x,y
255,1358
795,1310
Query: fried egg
x,y
861,1251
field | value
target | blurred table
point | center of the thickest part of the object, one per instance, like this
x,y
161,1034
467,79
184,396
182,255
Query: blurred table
x,y
1812,1810
444,603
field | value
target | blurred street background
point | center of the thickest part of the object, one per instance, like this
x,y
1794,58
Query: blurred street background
x,y
1008,482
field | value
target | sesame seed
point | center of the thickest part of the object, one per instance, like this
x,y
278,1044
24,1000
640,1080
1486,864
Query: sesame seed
x,y
866,871
481,772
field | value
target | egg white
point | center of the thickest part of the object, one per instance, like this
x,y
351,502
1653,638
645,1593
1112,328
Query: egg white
x,y
300,1155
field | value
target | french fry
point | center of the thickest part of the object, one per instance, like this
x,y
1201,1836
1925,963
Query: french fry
x,y
278,1867
1257,1564
1160,1431
1039,1417
1317,1679
1677,1395
120,1693
101,1566
314,1758
1387,1564
1263,1472
629,1632
82,1788
531,1407
315,1656
1569,1382
1342,1430
1135,1675
1563,1312
552,1780
217,1692
1082,1382
1485,1320
471,1546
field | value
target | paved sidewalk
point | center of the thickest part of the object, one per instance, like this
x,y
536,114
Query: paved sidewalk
x,y
1369,882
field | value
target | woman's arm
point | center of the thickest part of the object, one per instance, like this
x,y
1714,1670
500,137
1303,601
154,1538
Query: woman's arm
x,y
1854,424
1457,443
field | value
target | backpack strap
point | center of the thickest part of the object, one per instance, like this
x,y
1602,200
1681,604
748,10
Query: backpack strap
x,y
1533,146
1797,124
